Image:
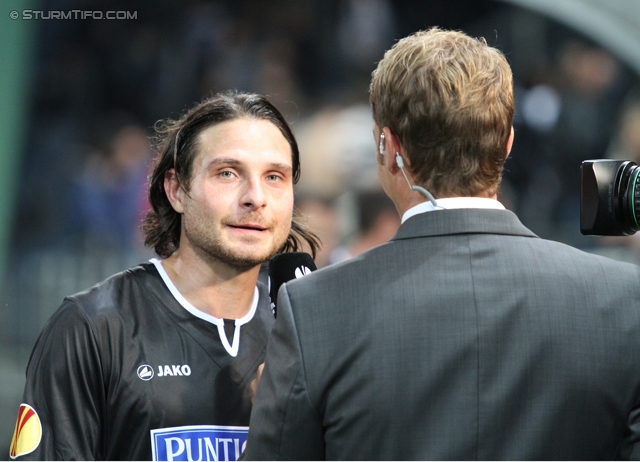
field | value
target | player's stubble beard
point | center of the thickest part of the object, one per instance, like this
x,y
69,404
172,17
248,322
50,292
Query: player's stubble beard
x,y
212,247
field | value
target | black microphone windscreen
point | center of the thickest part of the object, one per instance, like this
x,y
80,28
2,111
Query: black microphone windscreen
x,y
283,268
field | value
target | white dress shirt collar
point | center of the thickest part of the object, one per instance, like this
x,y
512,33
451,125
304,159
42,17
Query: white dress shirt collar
x,y
453,203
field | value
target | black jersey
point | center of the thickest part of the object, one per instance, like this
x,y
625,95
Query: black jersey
x,y
129,370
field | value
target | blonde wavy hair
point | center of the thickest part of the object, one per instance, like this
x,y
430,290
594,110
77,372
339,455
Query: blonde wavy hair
x,y
449,99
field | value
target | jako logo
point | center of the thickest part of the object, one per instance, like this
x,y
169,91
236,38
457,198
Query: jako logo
x,y
183,370
145,372
302,271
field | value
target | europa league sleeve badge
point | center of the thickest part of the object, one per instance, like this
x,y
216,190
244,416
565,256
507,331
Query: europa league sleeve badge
x,y
28,432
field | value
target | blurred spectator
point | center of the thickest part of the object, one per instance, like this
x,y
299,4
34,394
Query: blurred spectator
x,y
585,123
377,222
235,60
321,216
337,151
572,119
366,28
110,196
276,76
626,141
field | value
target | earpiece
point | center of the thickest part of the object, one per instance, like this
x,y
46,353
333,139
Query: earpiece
x,y
420,189
381,147
400,163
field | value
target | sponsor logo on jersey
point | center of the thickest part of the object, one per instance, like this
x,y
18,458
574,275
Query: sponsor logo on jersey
x,y
173,370
28,432
145,372
198,442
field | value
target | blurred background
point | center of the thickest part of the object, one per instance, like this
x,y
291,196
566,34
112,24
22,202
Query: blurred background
x,y
79,98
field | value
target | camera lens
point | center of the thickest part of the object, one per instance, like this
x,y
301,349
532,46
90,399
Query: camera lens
x,y
609,197
631,199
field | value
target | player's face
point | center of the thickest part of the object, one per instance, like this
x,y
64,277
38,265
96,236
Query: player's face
x,y
239,206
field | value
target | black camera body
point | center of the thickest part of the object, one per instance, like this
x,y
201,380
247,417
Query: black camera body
x,y
609,197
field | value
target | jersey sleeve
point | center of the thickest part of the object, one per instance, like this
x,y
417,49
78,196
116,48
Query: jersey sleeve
x,y
64,397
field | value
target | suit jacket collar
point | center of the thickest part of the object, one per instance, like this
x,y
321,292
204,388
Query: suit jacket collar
x,y
462,221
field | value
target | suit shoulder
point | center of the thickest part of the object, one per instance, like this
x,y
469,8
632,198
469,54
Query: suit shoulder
x,y
365,267
571,254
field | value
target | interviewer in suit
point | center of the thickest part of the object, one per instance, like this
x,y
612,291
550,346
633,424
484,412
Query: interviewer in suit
x,y
466,336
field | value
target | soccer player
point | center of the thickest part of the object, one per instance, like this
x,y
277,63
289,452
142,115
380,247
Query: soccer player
x,y
156,362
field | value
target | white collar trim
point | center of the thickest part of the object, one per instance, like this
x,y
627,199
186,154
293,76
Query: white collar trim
x,y
453,203
232,349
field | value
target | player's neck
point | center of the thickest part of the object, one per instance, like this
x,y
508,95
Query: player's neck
x,y
212,287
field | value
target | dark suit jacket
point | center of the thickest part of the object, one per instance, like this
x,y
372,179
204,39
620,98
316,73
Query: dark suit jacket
x,y
464,337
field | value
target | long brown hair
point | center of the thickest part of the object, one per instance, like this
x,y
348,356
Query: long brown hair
x,y
176,146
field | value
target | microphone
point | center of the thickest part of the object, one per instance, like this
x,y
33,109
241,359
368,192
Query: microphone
x,y
283,268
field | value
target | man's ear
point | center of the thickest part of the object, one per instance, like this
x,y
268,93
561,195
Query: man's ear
x,y
173,190
393,146
510,141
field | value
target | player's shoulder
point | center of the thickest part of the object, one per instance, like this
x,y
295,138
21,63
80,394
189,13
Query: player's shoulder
x,y
98,309
116,294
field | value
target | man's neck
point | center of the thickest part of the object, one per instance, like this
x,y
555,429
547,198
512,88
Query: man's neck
x,y
408,200
214,288
471,202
